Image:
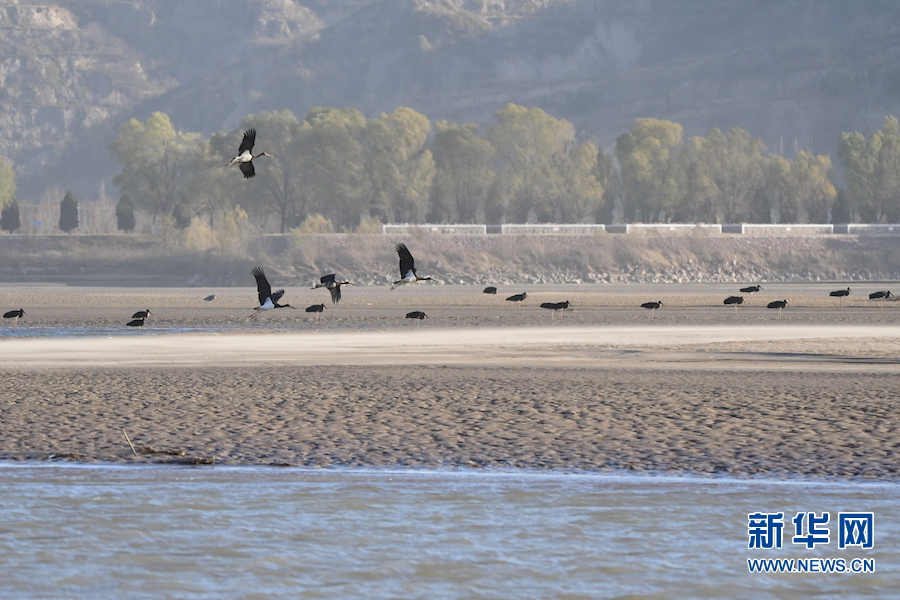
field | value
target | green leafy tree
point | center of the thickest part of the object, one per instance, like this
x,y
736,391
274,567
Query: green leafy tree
x,y
579,196
68,213
157,161
810,187
532,158
652,174
333,163
7,183
463,174
733,166
9,217
125,214
399,164
872,172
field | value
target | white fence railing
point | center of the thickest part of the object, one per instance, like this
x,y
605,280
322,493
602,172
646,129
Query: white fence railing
x,y
432,228
652,229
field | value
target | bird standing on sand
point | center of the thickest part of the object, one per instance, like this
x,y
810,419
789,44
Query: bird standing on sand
x,y
15,314
141,314
652,306
245,156
880,296
517,298
267,298
490,290
556,307
735,300
139,323
751,290
840,294
779,304
331,283
407,267
316,308
418,315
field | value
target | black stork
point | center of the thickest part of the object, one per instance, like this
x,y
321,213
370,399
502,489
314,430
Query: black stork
x,y
652,306
881,297
751,290
779,304
840,294
210,298
517,298
316,308
556,307
331,283
734,300
418,315
141,314
490,290
139,323
267,298
407,267
15,314
245,156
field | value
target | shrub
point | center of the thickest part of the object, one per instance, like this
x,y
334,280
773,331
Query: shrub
x,y
68,213
125,214
9,217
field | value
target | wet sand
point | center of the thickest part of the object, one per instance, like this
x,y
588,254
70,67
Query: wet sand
x,y
700,388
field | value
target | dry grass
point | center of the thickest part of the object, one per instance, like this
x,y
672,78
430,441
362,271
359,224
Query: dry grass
x,y
370,258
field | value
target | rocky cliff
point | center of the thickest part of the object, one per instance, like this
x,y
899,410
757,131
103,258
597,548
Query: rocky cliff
x,y
793,73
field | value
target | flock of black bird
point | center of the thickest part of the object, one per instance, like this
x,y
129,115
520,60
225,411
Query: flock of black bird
x,y
269,299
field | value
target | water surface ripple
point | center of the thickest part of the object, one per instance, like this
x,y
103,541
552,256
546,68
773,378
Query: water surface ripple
x,y
220,532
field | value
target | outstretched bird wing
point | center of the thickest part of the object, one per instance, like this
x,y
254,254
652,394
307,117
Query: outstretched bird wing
x,y
407,262
327,278
276,295
247,169
248,141
262,285
335,294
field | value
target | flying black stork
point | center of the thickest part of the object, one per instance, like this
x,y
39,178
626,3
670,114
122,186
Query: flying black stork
x,y
490,290
418,315
556,307
267,298
407,267
735,300
652,306
751,290
840,294
15,314
331,283
517,298
139,323
316,308
141,314
779,304
245,156
881,297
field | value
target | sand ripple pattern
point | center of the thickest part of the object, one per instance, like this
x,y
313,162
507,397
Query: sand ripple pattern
x,y
741,423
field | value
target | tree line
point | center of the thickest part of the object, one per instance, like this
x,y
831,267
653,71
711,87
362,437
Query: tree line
x,y
335,169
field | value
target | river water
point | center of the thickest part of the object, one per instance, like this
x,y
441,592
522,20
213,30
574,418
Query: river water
x,y
86,531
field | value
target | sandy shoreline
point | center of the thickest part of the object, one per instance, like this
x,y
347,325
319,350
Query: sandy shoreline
x,y
696,390
783,424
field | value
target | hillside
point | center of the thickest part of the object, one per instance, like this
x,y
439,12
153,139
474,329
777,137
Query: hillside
x,y
128,260
793,73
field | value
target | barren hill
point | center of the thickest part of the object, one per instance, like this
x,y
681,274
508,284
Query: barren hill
x,y
791,73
